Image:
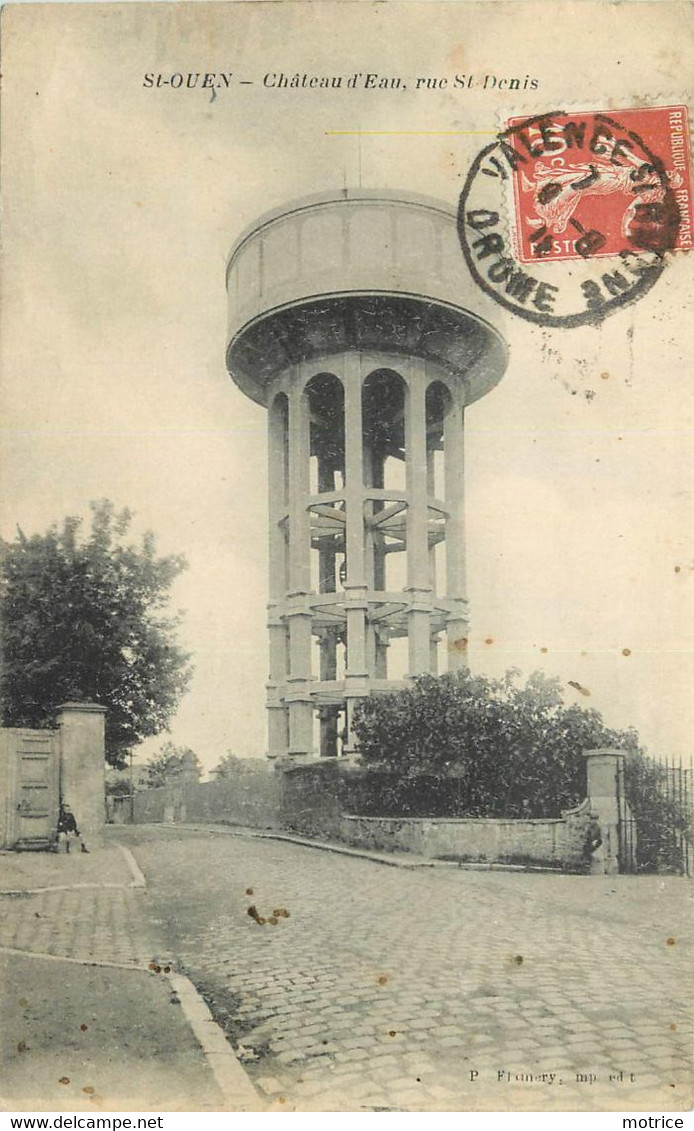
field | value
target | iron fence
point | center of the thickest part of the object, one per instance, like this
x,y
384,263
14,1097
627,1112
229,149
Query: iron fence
x,y
656,815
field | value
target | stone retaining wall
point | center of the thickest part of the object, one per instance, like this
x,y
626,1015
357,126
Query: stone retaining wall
x,y
317,799
552,843
250,798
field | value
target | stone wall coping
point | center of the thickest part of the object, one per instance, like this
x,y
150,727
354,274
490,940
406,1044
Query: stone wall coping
x,y
85,708
605,752
460,820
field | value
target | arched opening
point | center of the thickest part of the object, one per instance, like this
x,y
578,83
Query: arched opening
x,y
326,405
329,731
383,429
384,395
438,404
328,663
326,408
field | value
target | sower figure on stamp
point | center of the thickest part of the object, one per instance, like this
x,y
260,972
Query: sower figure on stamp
x,y
67,829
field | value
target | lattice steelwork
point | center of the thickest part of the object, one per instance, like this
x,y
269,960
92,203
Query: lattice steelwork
x,y
350,322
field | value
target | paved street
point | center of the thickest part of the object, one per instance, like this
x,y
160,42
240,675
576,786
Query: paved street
x,y
82,907
351,985
87,1022
90,1038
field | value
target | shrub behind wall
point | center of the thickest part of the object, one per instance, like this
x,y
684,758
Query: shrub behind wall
x,y
481,747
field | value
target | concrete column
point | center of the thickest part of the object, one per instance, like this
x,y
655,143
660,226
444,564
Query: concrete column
x,y
278,721
327,583
328,672
434,654
356,675
277,729
299,488
298,612
456,587
371,647
382,645
298,692
603,769
278,501
277,629
418,584
82,729
431,491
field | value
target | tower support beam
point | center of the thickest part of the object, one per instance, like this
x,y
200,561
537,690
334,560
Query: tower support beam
x,y
418,577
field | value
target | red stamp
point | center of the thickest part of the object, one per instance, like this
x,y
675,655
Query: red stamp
x,y
590,185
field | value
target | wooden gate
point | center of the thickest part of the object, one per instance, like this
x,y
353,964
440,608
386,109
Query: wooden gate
x,y
33,818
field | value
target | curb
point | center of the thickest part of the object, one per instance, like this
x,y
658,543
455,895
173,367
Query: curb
x,y
307,842
45,957
233,1082
231,1079
409,861
63,887
138,879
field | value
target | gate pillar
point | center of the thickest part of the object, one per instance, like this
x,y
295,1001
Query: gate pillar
x,y
605,790
82,765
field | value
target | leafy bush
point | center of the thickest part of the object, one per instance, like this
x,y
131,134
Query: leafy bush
x,y
499,748
460,745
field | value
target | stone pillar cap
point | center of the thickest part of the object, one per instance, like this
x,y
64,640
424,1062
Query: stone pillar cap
x,y
604,751
86,707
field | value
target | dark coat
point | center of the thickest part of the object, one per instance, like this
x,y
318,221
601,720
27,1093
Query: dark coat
x,y
67,822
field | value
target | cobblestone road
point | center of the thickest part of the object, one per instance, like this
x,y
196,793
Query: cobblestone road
x,y
78,907
430,989
88,1023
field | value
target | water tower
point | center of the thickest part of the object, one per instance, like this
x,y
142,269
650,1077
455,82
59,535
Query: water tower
x,y
353,320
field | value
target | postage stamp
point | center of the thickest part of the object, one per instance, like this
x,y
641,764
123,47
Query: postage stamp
x,y
581,191
591,203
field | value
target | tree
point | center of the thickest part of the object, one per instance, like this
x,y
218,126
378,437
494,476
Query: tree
x,y
120,788
227,766
466,746
84,618
173,763
499,748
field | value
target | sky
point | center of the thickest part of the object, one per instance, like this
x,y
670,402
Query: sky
x,y
121,204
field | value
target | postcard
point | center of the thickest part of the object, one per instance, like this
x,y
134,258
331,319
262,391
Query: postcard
x,y
377,314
